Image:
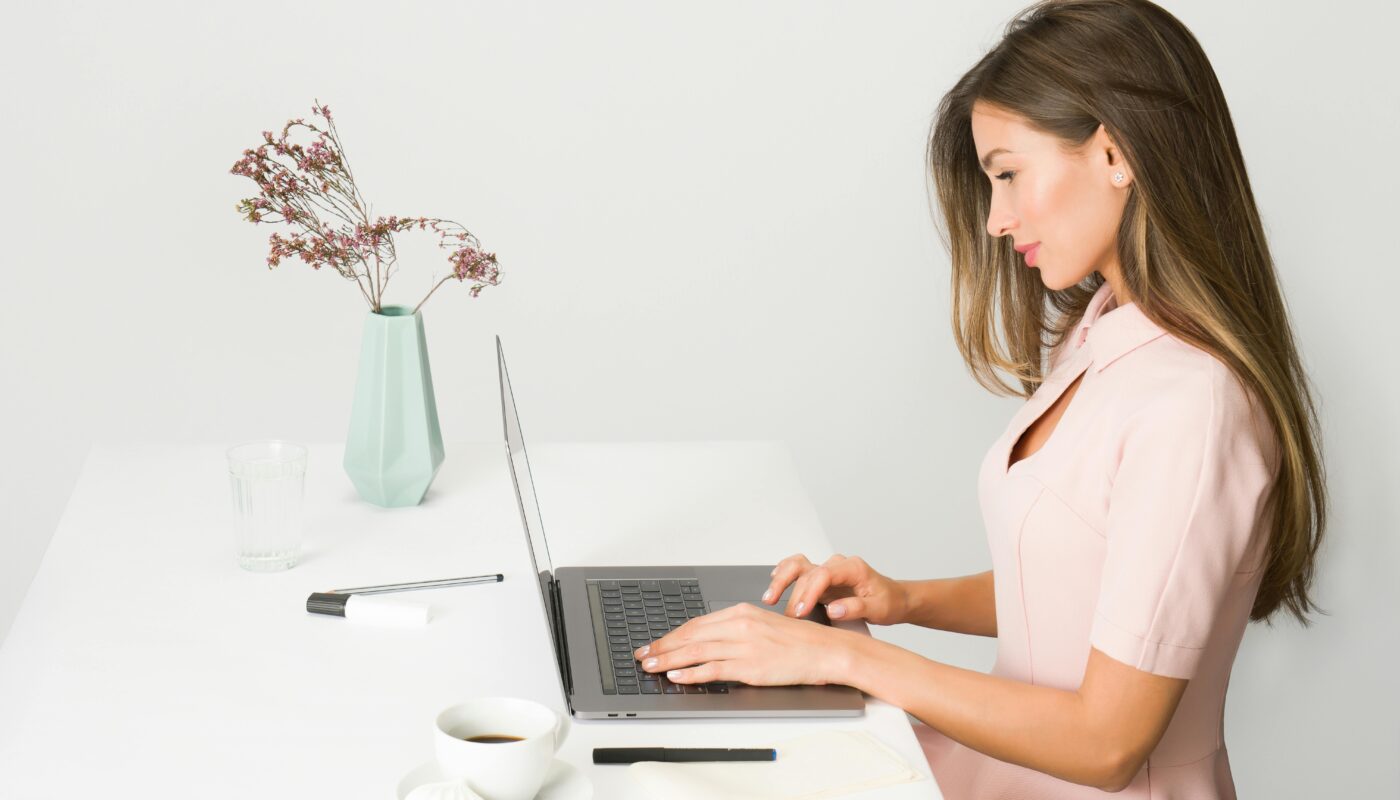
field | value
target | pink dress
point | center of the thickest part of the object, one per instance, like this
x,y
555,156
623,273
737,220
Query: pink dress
x,y
1139,529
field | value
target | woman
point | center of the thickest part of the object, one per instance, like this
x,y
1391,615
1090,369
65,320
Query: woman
x,y
1163,484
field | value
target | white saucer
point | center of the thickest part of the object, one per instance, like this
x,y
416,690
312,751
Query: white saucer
x,y
563,782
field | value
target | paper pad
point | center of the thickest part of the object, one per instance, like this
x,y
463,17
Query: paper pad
x,y
818,765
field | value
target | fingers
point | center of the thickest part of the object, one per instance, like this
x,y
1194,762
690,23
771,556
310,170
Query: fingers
x,y
692,654
814,586
846,608
806,591
788,570
692,630
704,673
728,634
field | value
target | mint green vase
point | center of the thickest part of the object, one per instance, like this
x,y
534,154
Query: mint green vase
x,y
394,447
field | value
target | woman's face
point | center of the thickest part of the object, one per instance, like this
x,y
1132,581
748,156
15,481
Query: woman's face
x,y
1067,203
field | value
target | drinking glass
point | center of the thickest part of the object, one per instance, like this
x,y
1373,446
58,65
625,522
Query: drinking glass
x,y
268,480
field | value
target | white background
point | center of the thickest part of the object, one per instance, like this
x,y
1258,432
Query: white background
x,y
712,224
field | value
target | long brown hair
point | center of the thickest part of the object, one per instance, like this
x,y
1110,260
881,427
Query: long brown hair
x,y
1192,248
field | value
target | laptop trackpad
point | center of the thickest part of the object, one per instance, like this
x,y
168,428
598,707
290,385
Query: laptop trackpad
x,y
818,614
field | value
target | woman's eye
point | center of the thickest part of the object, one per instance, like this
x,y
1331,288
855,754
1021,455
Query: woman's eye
x,y
1006,176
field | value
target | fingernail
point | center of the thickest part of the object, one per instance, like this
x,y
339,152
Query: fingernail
x,y
836,611
673,674
774,572
645,649
801,606
649,663
768,595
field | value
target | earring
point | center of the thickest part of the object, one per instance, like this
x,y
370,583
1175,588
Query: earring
x,y
1117,177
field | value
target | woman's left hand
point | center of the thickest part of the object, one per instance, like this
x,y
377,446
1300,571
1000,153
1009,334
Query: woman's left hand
x,y
747,644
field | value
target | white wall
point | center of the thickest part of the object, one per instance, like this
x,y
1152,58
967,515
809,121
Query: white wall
x,y
711,222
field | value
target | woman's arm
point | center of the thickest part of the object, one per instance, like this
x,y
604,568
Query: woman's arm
x,y
1098,735
961,605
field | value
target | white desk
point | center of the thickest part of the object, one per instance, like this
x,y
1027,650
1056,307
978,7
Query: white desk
x,y
145,663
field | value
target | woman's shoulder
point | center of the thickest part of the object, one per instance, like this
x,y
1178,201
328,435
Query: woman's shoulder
x,y
1174,390
1170,373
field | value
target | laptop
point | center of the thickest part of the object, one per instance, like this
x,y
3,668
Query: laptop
x,y
599,615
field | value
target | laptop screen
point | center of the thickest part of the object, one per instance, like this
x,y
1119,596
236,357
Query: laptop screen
x,y
525,491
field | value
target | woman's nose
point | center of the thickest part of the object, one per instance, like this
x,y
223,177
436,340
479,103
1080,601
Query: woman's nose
x,y
999,222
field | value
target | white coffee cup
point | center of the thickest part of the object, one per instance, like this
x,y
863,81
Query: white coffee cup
x,y
512,770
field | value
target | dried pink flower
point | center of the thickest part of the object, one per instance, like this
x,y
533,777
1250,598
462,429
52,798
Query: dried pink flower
x,y
312,180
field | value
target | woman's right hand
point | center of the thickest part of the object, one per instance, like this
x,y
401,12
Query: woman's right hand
x,y
848,586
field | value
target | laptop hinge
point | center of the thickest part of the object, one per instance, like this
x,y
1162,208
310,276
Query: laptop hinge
x,y
561,642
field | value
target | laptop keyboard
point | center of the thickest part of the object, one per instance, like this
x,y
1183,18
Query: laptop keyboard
x,y
628,614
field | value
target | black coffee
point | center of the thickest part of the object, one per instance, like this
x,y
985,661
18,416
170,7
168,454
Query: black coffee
x,y
494,738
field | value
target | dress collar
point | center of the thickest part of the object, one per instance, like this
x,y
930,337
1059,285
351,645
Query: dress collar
x,y
1111,330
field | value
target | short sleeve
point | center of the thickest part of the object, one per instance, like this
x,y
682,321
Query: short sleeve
x,y
1192,479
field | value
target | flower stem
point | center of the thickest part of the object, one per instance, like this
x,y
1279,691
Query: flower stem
x,y
430,294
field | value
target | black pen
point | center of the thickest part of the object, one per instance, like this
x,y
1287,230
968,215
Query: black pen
x,y
629,755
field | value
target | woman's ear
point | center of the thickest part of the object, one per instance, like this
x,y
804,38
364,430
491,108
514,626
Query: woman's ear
x,y
1119,175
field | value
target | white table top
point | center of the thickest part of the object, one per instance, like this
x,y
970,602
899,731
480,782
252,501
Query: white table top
x,y
144,662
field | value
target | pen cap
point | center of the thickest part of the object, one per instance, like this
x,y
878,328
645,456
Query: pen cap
x,y
327,603
627,755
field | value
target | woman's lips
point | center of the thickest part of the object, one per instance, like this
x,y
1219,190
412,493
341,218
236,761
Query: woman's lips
x,y
1031,254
